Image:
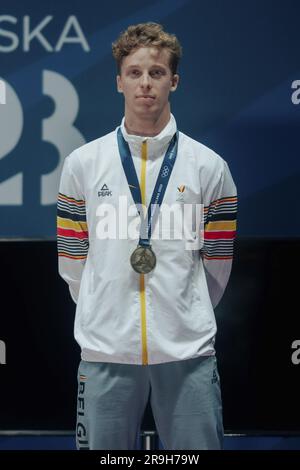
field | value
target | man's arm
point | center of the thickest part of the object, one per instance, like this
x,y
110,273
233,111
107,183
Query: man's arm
x,y
72,231
219,234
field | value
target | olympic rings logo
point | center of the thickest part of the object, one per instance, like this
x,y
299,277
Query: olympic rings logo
x,y
165,172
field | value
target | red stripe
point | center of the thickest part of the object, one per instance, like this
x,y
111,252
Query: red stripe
x,y
223,199
211,235
72,233
65,255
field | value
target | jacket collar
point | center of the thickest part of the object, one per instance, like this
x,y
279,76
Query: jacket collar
x,y
156,145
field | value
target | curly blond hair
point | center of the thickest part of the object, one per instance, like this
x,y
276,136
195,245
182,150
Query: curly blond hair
x,y
146,35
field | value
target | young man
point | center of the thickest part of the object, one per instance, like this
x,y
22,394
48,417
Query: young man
x,y
144,318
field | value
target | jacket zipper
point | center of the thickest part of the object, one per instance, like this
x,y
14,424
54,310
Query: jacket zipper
x,y
142,276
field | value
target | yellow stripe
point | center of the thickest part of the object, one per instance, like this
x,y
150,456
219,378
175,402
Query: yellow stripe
x,y
221,225
68,223
142,276
143,319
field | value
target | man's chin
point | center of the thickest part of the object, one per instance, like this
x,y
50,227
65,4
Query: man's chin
x,y
146,105
147,111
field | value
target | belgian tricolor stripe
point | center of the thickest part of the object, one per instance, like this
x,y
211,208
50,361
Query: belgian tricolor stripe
x,y
72,230
220,228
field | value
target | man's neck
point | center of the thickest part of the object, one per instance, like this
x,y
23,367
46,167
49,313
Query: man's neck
x,y
146,127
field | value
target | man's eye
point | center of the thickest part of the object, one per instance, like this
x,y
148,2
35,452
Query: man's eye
x,y
157,73
134,72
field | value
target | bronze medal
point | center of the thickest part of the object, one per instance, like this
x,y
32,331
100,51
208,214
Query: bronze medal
x,y
143,259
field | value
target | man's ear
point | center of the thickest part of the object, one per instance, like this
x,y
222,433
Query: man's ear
x,y
174,82
119,84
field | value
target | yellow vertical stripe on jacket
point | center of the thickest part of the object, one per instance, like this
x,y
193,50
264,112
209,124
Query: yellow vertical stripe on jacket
x,y
142,276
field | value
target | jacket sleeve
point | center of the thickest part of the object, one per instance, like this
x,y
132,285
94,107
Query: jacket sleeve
x,y
219,233
72,230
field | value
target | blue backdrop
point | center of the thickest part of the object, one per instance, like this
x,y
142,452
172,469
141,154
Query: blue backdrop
x,y
238,94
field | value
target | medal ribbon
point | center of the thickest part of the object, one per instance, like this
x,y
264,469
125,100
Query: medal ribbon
x,y
160,187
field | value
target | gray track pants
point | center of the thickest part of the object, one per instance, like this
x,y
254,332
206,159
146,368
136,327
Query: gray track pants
x,y
185,398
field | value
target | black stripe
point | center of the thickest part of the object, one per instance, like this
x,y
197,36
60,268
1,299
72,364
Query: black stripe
x,y
75,248
219,216
222,242
71,216
73,253
219,252
68,208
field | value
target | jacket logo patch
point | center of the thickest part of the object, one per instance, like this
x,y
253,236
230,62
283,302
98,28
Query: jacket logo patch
x,y
180,193
104,191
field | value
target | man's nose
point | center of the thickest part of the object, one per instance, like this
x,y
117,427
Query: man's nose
x,y
145,80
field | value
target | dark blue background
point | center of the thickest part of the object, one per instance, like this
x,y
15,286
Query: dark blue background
x,y
239,61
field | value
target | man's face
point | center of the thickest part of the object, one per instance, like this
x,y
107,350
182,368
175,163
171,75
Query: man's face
x,y
146,81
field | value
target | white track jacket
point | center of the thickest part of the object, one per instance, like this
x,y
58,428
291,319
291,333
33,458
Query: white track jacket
x,y
165,315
